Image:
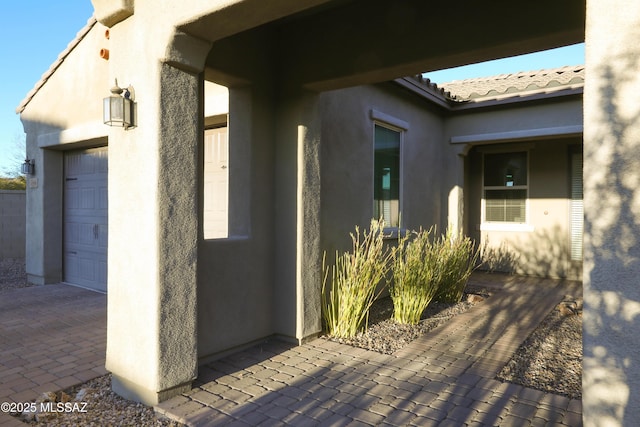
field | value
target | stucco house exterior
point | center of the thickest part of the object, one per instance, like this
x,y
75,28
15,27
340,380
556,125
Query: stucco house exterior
x,y
318,117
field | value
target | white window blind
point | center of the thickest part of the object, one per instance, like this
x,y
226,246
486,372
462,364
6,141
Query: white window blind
x,y
505,180
577,209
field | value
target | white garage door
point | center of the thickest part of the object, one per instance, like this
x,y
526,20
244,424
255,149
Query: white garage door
x,y
216,184
85,218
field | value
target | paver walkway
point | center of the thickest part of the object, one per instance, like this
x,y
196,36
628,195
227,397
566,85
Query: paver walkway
x,y
54,336
445,378
51,337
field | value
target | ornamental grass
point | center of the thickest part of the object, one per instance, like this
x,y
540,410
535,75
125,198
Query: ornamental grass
x,y
414,276
456,258
355,276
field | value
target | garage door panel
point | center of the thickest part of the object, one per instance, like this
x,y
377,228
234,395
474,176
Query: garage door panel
x,y
86,234
85,224
87,199
71,233
103,198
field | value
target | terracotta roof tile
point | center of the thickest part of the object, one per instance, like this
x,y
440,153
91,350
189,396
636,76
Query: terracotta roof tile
x,y
526,82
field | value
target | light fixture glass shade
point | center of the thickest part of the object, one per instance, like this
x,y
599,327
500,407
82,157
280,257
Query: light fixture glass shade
x,y
28,167
118,111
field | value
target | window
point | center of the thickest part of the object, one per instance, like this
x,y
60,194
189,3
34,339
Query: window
x,y
386,184
505,187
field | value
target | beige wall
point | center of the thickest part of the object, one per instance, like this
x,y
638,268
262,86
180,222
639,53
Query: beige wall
x,y
541,247
235,275
65,113
611,378
348,118
12,224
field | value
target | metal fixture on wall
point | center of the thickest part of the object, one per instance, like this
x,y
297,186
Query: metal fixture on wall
x,y
119,109
28,167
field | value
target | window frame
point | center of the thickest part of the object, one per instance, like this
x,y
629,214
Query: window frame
x,y
396,125
487,225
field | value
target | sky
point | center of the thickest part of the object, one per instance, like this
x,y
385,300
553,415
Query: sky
x,y
553,58
34,32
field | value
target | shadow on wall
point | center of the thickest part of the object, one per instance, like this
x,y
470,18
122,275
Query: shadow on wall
x,y
545,253
497,259
612,245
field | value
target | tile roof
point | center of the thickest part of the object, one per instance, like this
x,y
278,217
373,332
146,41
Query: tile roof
x,y
52,69
515,84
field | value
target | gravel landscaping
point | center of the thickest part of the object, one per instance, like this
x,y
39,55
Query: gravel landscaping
x,y
385,335
12,274
549,360
104,408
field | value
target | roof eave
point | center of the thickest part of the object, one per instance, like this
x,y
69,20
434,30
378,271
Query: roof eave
x,y
419,89
577,89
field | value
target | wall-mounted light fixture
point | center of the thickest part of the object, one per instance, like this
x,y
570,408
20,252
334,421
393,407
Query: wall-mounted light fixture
x,y
118,109
28,167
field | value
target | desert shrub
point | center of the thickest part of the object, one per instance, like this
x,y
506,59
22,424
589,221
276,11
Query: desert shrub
x,y
414,276
354,279
18,183
455,259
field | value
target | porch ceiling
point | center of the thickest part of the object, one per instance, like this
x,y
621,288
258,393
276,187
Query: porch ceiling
x,y
346,43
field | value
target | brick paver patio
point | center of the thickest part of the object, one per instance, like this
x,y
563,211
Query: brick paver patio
x,y
445,378
51,337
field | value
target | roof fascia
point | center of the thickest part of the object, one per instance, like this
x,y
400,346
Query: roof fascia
x,y
422,91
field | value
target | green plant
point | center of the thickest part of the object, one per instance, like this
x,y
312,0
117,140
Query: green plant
x,y
456,259
414,283
355,276
17,183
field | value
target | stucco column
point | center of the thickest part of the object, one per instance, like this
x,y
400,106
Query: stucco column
x,y
611,378
455,197
308,257
299,278
153,228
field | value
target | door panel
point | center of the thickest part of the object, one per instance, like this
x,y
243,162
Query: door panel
x,y
86,218
216,184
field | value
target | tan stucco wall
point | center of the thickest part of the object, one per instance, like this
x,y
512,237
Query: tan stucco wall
x,y
531,116
611,379
543,249
347,161
65,113
235,275
74,104
543,128
216,100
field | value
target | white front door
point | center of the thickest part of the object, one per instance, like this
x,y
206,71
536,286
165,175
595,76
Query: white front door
x,y
85,218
